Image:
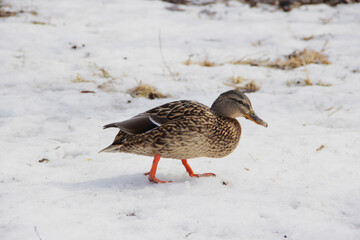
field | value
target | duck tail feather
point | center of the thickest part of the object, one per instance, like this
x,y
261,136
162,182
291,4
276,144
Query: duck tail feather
x,y
110,125
111,148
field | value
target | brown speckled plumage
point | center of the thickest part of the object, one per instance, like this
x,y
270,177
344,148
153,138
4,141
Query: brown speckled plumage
x,y
192,131
185,129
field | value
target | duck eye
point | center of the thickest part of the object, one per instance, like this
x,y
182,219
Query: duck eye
x,y
237,100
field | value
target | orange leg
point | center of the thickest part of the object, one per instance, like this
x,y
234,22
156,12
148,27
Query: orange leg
x,y
152,172
191,172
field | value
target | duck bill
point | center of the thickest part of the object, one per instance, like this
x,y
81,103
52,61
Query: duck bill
x,y
253,117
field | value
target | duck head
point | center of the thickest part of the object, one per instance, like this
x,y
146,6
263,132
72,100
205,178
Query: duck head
x,y
235,104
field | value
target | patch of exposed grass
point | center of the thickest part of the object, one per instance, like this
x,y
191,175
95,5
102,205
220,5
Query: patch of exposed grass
x,y
4,14
300,58
204,63
291,61
38,23
80,79
307,82
249,87
5,11
237,79
251,62
106,83
307,38
289,5
257,43
102,72
107,86
147,91
243,84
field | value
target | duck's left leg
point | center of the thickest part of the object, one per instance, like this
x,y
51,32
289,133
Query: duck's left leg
x,y
191,172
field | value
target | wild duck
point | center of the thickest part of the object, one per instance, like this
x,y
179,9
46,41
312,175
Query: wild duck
x,y
185,129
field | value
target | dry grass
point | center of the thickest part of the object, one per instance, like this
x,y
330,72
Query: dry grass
x,y
80,79
291,61
203,63
249,87
102,72
237,80
300,58
251,62
8,13
107,86
38,23
320,148
257,43
4,14
306,82
243,84
147,91
308,38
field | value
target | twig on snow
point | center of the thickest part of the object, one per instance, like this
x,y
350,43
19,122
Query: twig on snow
x,y
164,61
37,233
335,111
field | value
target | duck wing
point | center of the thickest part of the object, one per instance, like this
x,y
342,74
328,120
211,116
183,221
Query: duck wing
x,y
158,116
136,125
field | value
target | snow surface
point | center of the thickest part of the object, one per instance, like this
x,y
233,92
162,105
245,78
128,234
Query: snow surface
x,y
275,185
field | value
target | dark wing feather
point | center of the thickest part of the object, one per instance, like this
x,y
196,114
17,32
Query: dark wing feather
x,y
158,116
136,125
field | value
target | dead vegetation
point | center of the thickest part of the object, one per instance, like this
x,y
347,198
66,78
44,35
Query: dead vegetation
x,y
44,160
249,87
87,91
204,63
285,5
80,79
147,91
5,11
320,148
38,23
252,62
243,84
294,60
104,81
333,110
307,38
174,75
237,79
306,82
192,2
301,58
101,72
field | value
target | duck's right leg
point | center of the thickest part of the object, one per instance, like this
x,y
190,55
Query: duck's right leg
x,y
152,172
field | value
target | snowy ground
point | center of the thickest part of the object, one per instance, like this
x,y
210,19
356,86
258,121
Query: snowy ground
x,y
278,184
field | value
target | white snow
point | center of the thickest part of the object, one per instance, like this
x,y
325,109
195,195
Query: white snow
x,y
278,186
